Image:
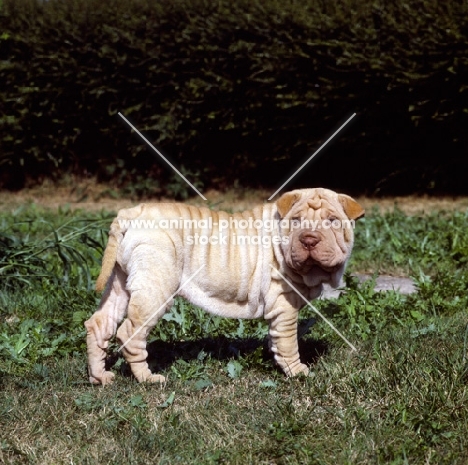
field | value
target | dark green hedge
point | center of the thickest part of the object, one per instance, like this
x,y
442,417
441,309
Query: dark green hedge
x,y
236,92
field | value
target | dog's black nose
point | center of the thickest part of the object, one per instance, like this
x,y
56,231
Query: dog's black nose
x,y
309,240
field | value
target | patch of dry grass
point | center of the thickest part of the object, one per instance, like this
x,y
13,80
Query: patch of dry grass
x,y
90,195
400,400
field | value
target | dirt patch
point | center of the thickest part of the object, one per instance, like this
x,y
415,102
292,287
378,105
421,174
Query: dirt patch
x,y
92,196
382,283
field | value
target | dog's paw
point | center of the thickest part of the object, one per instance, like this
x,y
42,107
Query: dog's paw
x,y
155,379
106,378
145,376
300,369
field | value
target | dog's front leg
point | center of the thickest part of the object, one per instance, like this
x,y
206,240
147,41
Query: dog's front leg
x,y
283,343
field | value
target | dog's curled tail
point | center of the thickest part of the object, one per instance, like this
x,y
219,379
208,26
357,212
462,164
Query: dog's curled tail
x,y
110,254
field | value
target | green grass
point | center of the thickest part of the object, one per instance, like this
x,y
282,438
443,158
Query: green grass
x,y
401,399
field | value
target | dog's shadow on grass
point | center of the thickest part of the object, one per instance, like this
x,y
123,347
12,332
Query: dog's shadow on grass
x,y
162,355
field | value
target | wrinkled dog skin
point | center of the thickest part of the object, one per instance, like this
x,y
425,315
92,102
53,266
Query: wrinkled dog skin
x,y
143,267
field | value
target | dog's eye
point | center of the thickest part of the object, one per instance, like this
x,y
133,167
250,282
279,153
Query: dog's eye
x,y
332,218
295,222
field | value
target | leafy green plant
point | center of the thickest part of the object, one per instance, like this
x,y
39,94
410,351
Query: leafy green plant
x,y
35,249
234,369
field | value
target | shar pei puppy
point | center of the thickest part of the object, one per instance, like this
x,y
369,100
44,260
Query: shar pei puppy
x,y
238,265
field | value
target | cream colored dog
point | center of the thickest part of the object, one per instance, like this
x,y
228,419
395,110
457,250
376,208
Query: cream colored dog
x,y
230,265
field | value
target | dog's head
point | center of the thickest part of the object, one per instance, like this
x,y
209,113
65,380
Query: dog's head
x,y
318,224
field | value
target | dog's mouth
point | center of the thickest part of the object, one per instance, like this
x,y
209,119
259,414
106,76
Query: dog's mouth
x,y
312,251
328,269
310,266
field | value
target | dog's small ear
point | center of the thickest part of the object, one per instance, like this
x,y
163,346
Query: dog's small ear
x,y
352,209
285,202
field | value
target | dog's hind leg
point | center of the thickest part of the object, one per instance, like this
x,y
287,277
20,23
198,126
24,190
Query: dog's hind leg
x,y
133,332
103,324
151,288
